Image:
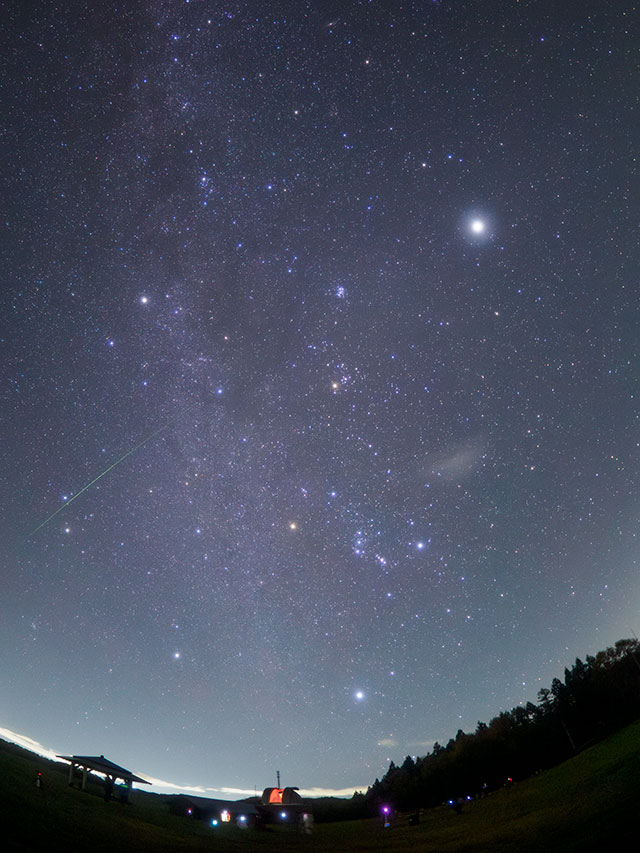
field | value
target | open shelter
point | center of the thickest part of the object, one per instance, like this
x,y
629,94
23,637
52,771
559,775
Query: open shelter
x,y
100,764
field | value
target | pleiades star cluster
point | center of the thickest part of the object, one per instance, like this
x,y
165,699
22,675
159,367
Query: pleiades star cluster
x,y
319,402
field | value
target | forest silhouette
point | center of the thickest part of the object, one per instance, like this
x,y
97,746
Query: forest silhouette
x,y
596,698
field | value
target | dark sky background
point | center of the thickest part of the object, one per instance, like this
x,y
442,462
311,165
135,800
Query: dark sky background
x,y
348,292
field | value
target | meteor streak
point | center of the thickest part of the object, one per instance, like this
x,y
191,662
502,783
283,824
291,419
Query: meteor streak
x,y
99,477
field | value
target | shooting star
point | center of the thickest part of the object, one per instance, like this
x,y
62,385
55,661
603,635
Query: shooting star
x,y
99,477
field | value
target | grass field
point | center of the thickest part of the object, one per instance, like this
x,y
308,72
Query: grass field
x,y
586,804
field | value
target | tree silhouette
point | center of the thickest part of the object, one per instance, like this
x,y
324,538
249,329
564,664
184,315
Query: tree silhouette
x,y
597,697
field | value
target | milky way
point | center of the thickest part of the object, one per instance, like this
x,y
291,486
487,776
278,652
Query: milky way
x,y
375,266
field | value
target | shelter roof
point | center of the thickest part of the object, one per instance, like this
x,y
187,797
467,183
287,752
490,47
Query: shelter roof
x,y
102,765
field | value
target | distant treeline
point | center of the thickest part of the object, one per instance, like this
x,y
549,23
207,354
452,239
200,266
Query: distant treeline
x,y
596,698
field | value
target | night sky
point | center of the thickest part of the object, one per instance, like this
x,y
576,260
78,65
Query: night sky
x,y
333,307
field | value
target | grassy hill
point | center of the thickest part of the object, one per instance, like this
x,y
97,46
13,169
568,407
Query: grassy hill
x,y
585,804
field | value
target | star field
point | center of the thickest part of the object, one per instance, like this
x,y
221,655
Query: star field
x,y
332,308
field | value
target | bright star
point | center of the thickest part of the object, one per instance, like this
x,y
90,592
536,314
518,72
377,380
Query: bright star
x,y
476,226
359,695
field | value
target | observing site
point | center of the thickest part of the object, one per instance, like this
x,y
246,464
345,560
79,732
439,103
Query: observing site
x,y
320,419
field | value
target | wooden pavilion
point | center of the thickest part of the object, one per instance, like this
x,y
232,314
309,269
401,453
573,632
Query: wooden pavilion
x,y
100,764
